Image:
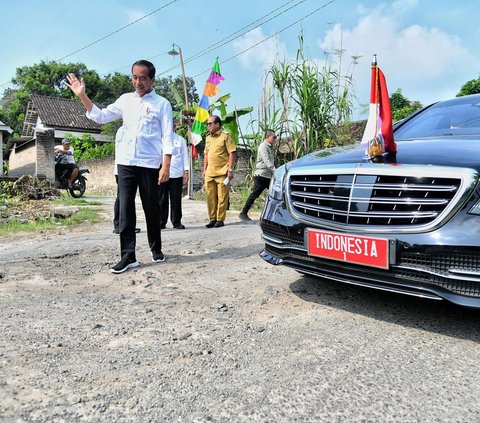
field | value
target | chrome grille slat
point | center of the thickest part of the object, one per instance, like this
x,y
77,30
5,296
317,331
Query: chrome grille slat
x,y
378,198
402,187
394,200
409,215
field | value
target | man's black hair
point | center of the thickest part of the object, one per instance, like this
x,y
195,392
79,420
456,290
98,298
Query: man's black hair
x,y
148,65
216,119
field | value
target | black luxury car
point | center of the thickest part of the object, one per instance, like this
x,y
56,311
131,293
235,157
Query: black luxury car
x,y
407,222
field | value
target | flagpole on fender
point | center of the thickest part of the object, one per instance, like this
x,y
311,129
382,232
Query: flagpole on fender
x,y
377,94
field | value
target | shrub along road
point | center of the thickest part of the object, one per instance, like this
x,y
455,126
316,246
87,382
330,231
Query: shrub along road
x,y
215,334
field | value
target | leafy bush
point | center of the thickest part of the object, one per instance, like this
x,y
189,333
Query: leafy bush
x,y
87,147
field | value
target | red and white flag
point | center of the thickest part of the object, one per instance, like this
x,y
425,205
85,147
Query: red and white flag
x,y
378,135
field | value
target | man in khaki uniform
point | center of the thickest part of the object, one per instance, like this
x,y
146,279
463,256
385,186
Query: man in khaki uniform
x,y
219,159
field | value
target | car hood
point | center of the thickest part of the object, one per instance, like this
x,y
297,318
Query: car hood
x,y
445,151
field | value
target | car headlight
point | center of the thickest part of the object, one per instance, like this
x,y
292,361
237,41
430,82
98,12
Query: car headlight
x,y
276,184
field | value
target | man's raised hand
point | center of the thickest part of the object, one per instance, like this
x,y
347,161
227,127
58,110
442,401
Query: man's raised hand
x,y
77,86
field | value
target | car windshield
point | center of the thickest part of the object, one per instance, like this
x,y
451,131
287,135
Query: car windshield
x,y
460,116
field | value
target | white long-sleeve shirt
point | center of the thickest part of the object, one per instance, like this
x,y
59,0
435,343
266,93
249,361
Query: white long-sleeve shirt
x,y
180,162
147,132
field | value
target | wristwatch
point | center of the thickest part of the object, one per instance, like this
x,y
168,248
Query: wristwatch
x,y
230,169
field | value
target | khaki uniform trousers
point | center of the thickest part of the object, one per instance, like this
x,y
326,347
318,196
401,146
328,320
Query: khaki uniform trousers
x,y
217,197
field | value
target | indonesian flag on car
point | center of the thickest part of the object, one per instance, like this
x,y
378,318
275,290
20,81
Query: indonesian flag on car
x,y
378,135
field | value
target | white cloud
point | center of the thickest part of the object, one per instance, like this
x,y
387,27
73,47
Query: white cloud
x,y
428,64
263,54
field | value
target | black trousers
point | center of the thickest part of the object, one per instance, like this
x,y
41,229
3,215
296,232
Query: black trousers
x,y
64,169
171,191
260,183
116,209
146,180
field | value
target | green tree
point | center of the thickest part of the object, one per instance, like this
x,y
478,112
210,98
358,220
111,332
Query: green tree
x,y
401,106
44,78
470,87
48,78
172,89
111,87
398,100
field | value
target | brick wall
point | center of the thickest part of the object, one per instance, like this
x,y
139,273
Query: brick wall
x,y
240,175
45,156
22,159
101,176
37,158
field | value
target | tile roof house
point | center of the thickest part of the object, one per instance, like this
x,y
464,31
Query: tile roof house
x,y
61,114
47,121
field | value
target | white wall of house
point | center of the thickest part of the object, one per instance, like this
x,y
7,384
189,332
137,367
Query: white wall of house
x,y
1,153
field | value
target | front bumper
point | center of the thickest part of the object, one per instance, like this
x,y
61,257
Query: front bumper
x,y
431,265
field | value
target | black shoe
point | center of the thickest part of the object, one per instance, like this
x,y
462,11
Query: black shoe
x,y
244,216
211,224
179,226
124,264
219,224
158,257
137,230
116,231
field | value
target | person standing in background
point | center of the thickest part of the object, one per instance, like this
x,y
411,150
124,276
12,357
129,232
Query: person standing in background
x,y
263,172
171,191
219,159
142,155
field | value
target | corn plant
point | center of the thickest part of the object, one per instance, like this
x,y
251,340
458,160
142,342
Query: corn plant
x,y
306,103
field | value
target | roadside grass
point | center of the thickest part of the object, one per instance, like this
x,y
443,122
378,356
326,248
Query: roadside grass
x,y
70,201
85,215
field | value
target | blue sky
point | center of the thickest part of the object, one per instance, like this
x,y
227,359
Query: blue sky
x,y
428,48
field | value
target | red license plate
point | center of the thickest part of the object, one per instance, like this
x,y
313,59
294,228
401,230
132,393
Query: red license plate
x,y
363,250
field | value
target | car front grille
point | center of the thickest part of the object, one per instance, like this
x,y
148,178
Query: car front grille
x,y
377,195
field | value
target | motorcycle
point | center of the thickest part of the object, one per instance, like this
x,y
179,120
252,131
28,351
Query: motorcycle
x,y
79,184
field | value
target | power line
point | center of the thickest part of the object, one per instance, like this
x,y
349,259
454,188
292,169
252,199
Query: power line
x,y
232,36
271,36
219,43
108,35
116,31
129,66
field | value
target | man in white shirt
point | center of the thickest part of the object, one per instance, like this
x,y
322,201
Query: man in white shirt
x,y
66,162
172,189
143,155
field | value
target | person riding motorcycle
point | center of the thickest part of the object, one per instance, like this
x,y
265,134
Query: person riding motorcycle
x,y
65,162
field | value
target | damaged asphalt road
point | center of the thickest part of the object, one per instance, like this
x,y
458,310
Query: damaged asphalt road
x,y
215,334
